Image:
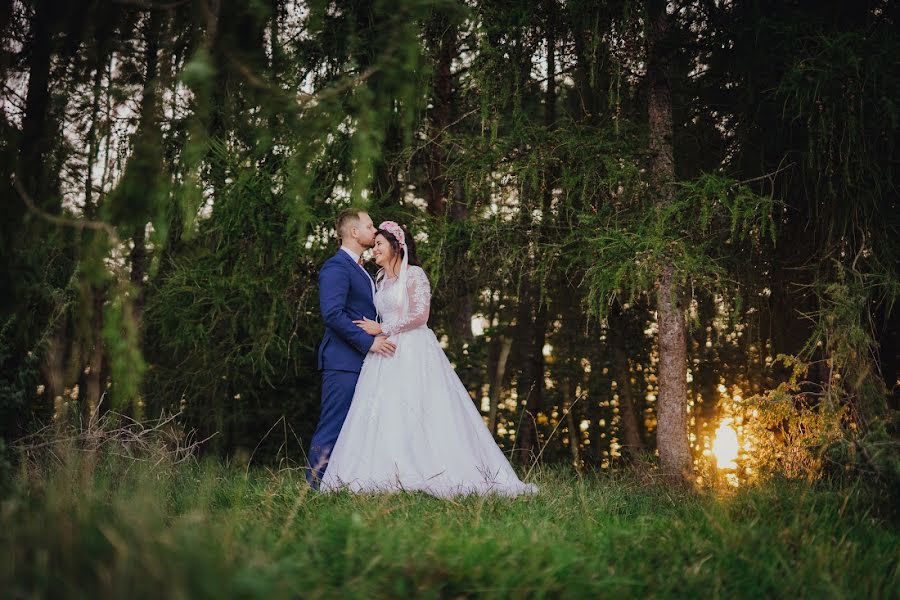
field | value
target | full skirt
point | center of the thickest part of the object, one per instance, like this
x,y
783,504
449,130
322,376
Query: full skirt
x,y
412,426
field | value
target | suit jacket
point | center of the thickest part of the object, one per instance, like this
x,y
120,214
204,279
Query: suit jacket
x,y
345,294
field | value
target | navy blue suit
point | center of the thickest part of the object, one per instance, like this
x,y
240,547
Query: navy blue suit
x,y
345,294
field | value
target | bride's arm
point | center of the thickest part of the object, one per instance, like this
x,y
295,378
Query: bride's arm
x,y
419,294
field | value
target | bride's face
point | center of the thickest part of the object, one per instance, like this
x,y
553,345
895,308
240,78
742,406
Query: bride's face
x,y
382,251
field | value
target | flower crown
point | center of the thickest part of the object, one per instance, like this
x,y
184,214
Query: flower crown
x,y
395,230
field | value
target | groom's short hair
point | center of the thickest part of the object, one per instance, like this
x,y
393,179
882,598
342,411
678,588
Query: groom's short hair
x,y
348,218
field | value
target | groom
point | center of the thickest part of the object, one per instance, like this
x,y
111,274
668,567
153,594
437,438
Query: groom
x,y
346,293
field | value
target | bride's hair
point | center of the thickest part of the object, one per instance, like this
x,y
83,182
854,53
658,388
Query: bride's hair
x,y
395,245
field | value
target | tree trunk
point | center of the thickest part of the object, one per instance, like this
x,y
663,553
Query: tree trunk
x,y
527,437
442,39
534,380
93,371
35,124
571,424
31,171
464,305
94,379
276,68
497,383
706,375
526,381
672,432
148,130
89,207
632,444
139,262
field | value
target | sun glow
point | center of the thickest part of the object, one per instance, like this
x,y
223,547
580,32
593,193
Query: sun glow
x,y
725,446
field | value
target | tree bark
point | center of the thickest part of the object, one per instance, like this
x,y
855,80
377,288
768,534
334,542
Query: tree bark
x,y
527,437
443,39
505,344
89,207
527,381
94,377
534,377
706,375
629,428
672,431
93,371
571,424
35,124
150,137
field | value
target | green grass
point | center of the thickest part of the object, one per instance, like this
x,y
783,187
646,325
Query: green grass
x,y
111,530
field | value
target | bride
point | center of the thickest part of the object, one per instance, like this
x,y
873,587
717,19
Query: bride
x,y
412,425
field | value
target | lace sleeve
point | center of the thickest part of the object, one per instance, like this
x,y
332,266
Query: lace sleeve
x,y
419,293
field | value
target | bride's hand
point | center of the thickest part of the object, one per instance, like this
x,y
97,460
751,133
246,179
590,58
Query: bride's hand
x,y
369,326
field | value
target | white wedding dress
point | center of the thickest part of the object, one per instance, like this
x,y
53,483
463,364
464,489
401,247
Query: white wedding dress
x,y
412,425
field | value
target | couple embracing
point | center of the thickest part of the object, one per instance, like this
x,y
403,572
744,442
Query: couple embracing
x,y
394,415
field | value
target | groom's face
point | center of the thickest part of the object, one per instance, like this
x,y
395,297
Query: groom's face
x,y
365,231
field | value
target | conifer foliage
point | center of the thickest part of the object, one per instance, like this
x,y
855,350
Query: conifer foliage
x,y
640,218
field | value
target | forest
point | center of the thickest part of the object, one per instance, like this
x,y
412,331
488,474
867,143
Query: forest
x,y
663,242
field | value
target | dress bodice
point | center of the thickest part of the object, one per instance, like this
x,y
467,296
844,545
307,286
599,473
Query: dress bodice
x,y
389,305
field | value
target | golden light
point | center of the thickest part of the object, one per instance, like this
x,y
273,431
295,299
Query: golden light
x,y
725,445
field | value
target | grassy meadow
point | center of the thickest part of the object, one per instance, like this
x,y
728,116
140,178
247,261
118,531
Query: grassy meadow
x,y
110,527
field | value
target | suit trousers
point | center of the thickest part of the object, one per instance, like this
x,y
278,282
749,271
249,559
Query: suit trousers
x,y
337,393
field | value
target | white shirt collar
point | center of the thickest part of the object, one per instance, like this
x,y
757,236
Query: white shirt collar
x,y
352,254
355,258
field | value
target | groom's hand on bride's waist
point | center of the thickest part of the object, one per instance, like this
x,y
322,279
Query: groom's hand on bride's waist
x,y
369,326
383,346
